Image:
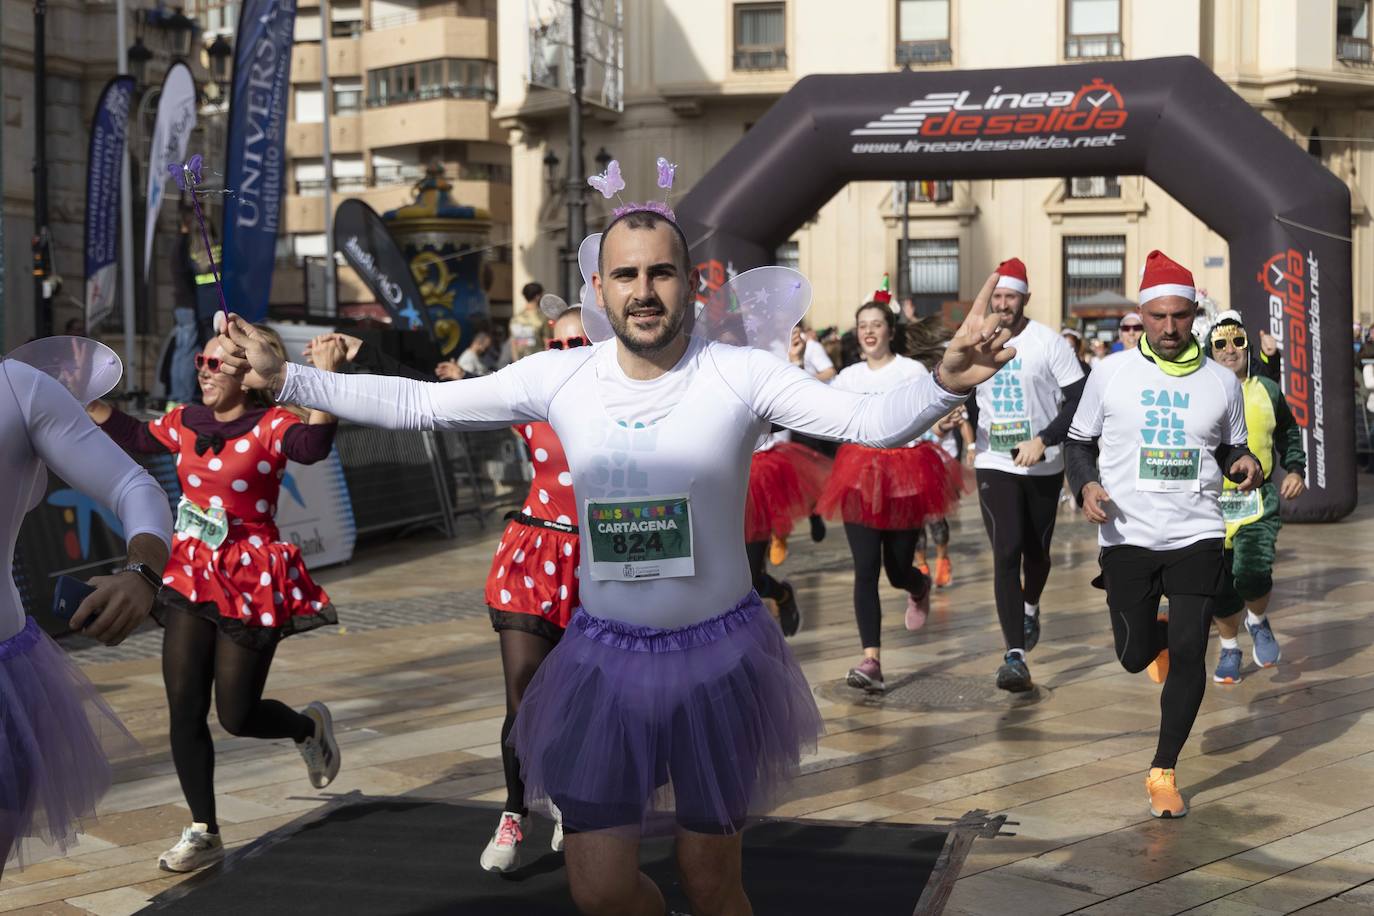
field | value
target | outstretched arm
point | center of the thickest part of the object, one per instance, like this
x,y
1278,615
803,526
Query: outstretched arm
x,y
492,402
788,396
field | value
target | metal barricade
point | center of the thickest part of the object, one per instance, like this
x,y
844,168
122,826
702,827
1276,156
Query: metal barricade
x,y
396,480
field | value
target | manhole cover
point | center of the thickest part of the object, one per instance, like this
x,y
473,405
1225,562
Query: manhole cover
x,y
938,691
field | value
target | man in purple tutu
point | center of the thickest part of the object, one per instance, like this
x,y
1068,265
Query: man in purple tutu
x,y
672,703
55,730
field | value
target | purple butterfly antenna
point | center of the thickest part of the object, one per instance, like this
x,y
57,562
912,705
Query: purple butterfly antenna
x,y
188,175
666,171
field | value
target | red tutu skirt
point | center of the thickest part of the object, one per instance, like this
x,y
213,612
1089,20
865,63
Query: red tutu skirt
x,y
253,585
534,572
891,489
784,484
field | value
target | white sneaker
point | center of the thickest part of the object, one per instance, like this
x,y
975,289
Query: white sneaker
x,y
197,848
503,852
320,752
557,843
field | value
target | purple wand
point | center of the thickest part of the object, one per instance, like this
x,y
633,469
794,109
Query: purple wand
x,y
187,176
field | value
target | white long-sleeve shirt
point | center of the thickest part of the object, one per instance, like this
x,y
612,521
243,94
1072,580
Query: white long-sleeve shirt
x,y
42,425
686,435
1157,435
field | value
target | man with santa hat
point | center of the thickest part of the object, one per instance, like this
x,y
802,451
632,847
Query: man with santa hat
x,y
1156,429
1022,416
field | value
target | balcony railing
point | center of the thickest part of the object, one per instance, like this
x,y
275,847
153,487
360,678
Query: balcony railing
x,y
1085,47
757,58
425,93
314,187
924,52
383,175
1353,50
428,11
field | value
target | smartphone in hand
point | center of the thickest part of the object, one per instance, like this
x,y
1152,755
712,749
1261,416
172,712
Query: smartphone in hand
x,y
68,596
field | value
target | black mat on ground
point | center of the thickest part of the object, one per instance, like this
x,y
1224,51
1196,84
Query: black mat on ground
x,y
398,857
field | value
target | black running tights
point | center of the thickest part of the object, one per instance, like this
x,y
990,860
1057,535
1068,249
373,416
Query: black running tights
x,y
1135,579
195,656
1019,513
875,551
522,653
764,584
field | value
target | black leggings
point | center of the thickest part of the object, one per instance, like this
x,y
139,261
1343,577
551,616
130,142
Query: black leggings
x,y
1019,513
875,551
1135,578
196,655
764,584
522,653
939,534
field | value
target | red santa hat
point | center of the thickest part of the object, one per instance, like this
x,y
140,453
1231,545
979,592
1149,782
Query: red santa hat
x,y
883,294
1163,277
1011,274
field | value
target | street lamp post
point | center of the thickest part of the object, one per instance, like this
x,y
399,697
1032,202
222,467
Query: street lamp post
x,y
126,221
42,288
577,202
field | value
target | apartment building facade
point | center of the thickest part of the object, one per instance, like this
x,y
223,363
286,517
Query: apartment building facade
x,y
698,73
412,83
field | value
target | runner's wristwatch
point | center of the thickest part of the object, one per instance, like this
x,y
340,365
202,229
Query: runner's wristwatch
x,y
150,575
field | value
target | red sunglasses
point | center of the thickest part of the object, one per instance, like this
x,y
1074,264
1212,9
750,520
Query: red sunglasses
x,y
567,343
207,362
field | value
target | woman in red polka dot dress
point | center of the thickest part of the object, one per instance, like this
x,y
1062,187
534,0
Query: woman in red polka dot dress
x,y
232,589
531,594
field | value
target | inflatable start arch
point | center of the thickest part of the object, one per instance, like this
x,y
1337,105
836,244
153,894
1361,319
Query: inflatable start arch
x,y
1286,218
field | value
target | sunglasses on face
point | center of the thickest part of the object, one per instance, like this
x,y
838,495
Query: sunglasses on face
x,y
1240,342
567,343
211,363
1132,328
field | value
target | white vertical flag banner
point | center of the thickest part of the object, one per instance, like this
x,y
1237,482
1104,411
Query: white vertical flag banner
x,y
176,118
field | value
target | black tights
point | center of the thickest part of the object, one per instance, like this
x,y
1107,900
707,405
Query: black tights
x,y
1019,513
196,655
1136,579
875,551
521,655
764,584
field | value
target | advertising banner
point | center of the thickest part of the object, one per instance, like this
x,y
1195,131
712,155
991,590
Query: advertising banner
x,y
1284,215
255,161
363,239
109,128
176,118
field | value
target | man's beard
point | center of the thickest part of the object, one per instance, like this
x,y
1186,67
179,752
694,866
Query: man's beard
x,y
1169,350
671,327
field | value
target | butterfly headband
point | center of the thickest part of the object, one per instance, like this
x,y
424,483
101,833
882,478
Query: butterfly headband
x,y
610,183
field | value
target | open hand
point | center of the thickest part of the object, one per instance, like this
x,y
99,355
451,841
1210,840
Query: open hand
x,y
246,354
979,348
1293,486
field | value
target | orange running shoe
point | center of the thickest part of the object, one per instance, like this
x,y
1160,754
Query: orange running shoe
x,y
924,568
1165,800
777,551
1158,669
943,572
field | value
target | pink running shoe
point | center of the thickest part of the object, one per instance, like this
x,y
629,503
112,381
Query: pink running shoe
x,y
918,606
868,675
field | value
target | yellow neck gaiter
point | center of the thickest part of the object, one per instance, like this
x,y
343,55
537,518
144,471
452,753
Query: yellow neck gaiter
x,y
1188,362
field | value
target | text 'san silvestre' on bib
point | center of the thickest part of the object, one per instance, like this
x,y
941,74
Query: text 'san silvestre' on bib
x,y
646,538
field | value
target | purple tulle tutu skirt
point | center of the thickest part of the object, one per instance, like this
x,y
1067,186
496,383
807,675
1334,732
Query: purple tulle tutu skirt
x,y
641,729
56,735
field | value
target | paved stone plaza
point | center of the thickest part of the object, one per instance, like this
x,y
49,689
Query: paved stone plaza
x,y
1279,771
